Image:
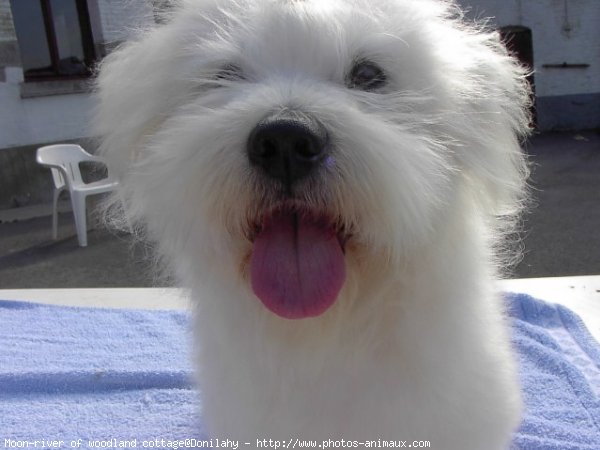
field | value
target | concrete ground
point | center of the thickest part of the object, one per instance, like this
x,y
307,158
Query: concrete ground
x,y
562,229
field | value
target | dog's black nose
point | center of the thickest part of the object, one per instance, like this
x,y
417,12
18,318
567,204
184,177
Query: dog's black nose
x,y
287,145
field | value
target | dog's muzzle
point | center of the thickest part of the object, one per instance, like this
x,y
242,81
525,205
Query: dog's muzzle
x,y
297,264
288,145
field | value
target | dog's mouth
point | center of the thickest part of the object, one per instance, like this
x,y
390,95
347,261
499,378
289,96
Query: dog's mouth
x,y
297,266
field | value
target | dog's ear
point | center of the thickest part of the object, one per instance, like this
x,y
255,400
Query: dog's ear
x,y
491,121
121,116
134,91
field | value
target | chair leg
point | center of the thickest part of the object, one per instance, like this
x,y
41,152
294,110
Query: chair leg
x,y
55,214
79,213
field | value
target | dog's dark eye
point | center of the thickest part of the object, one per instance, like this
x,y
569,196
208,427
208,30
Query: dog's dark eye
x,y
367,76
230,72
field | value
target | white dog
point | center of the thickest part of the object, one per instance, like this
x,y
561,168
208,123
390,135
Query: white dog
x,y
332,179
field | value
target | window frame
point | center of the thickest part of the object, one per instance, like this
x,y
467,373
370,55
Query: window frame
x,y
87,43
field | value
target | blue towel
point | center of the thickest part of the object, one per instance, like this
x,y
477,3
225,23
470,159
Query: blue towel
x,y
560,376
94,374
83,375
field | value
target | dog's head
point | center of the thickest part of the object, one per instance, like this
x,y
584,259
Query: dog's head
x,y
284,141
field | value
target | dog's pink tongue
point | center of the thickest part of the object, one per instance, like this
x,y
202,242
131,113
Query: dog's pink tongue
x,y
297,266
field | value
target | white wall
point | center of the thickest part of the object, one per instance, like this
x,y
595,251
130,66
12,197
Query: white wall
x,y
119,18
59,117
40,119
562,30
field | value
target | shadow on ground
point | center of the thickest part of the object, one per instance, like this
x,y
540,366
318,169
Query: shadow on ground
x,y
29,258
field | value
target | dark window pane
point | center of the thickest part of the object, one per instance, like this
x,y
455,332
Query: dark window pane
x,y
31,34
68,37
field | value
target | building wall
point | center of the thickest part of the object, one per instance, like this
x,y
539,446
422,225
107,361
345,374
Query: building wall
x,y
40,119
563,31
120,18
32,113
9,51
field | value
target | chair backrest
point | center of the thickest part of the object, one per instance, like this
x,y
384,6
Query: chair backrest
x,y
63,160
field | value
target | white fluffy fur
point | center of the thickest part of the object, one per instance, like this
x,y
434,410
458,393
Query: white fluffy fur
x,y
428,174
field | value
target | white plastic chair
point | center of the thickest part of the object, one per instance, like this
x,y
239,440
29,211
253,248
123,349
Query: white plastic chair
x,y
63,161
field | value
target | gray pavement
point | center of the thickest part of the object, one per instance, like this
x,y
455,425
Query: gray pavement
x,y
563,225
562,234
29,258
